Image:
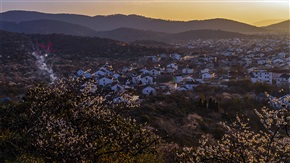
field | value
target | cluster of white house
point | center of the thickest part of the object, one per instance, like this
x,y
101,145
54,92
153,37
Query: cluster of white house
x,y
263,57
261,76
264,76
130,77
144,79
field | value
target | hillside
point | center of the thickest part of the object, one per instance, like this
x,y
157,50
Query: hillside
x,y
47,27
203,34
120,34
69,53
128,34
111,22
282,26
267,22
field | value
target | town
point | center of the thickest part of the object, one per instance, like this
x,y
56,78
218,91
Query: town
x,y
264,61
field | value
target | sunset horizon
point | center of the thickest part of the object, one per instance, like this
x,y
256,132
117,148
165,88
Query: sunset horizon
x,y
264,21
248,12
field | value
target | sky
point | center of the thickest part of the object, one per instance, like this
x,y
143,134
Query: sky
x,y
247,11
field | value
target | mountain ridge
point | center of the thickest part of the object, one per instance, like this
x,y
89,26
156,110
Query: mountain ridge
x,y
111,22
283,26
46,26
267,22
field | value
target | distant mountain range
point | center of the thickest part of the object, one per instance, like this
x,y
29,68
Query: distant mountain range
x,y
129,28
111,22
129,34
121,34
47,27
202,34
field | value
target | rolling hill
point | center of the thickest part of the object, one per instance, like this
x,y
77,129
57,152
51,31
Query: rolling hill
x,y
44,26
128,34
267,22
202,34
282,26
112,22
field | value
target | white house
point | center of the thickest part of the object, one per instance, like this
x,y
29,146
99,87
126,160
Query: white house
x,y
228,53
191,84
239,50
182,88
188,79
281,55
170,70
187,70
257,49
107,69
283,79
249,52
146,79
171,67
117,88
262,76
207,76
261,62
154,72
268,49
100,73
176,56
205,71
116,76
136,79
149,91
88,75
249,70
248,60
144,71
261,54
118,100
277,61
105,81
178,78
80,72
